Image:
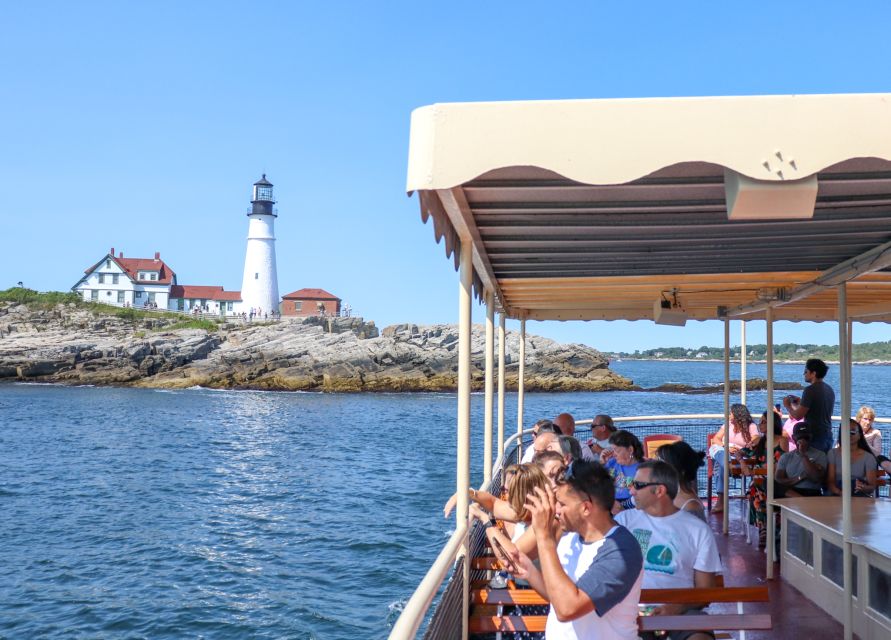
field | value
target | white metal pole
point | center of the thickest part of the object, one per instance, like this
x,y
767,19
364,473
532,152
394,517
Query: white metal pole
x,y
489,387
845,379
465,294
521,383
742,362
500,385
768,316
727,427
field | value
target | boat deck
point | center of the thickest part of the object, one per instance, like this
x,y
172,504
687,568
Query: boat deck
x,y
793,615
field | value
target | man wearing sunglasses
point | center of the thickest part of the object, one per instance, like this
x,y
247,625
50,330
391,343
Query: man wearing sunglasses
x,y
592,574
679,549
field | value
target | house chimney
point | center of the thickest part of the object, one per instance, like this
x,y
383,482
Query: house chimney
x,y
120,254
157,255
111,253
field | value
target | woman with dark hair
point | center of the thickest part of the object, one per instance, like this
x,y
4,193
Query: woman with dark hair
x,y
755,457
744,434
686,462
863,463
621,461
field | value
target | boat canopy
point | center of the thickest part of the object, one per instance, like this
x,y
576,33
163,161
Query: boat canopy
x,y
720,206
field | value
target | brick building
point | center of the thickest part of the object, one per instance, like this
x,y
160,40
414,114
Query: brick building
x,y
310,302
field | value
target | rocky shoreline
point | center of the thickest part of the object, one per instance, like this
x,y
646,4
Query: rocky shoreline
x,y
70,344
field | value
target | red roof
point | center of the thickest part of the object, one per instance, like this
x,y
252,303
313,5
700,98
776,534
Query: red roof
x,y
132,267
201,292
310,294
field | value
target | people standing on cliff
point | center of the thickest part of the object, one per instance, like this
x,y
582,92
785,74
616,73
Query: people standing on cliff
x,y
815,404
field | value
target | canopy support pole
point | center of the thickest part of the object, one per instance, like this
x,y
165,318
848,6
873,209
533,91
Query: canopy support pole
x,y
726,495
465,295
500,385
521,383
489,387
771,543
742,363
845,379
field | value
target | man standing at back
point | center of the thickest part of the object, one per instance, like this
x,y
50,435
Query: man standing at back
x,y
679,549
815,404
592,575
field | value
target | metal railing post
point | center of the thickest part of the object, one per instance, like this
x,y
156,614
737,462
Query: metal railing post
x,y
726,470
521,381
742,363
465,293
845,379
489,387
501,385
771,543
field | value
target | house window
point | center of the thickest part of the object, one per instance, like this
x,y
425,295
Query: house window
x,y
120,297
228,306
101,278
114,278
108,263
298,305
151,296
139,295
94,295
180,304
256,276
153,276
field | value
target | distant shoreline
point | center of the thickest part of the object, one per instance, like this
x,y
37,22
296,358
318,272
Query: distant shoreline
x,y
736,361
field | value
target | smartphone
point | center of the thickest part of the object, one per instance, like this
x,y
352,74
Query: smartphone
x,y
778,406
505,556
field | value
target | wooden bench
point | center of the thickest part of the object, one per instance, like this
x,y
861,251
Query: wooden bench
x,y
484,599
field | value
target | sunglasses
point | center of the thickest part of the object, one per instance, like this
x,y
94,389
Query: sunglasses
x,y
643,485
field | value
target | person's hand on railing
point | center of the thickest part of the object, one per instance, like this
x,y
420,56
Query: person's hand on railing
x,y
477,512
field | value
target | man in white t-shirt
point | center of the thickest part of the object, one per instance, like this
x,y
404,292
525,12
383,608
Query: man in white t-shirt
x,y
592,575
679,549
538,429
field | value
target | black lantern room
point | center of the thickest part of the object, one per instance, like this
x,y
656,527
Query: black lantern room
x,y
262,201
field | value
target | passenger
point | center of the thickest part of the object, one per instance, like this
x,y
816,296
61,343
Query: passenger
x,y
863,464
621,461
570,448
800,473
542,426
602,427
592,575
788,426
551,464
866,418
686,462
679,549
815,404
744,434
755,457
565,424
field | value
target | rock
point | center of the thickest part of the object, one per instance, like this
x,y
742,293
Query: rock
x,y
70,345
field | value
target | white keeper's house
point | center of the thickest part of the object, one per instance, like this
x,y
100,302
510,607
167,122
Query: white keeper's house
x,y
151,283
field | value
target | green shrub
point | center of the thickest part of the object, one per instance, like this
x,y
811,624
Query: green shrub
x,y
206,325
22,295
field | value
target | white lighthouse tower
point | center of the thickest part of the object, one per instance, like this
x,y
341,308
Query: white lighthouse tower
x,y
259,287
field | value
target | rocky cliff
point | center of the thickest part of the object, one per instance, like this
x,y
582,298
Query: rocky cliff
x,y
76,345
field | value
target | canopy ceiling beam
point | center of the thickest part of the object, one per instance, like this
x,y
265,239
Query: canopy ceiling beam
x,y
873,260
458,211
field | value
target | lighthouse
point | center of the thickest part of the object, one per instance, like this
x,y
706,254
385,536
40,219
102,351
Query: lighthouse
x,y
259,287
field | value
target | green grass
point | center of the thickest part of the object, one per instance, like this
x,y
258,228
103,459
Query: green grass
x,y
207,325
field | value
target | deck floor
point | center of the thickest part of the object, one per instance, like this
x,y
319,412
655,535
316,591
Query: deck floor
x,y
793,615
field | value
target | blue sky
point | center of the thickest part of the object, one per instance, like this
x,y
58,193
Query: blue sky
x,y
143,125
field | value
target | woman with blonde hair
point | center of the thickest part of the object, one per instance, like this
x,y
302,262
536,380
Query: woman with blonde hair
x,y
866,418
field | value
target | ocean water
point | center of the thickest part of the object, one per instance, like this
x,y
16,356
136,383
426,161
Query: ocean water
x,y
132,513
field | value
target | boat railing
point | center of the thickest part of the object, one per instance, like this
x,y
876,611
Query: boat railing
x,y
693,428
